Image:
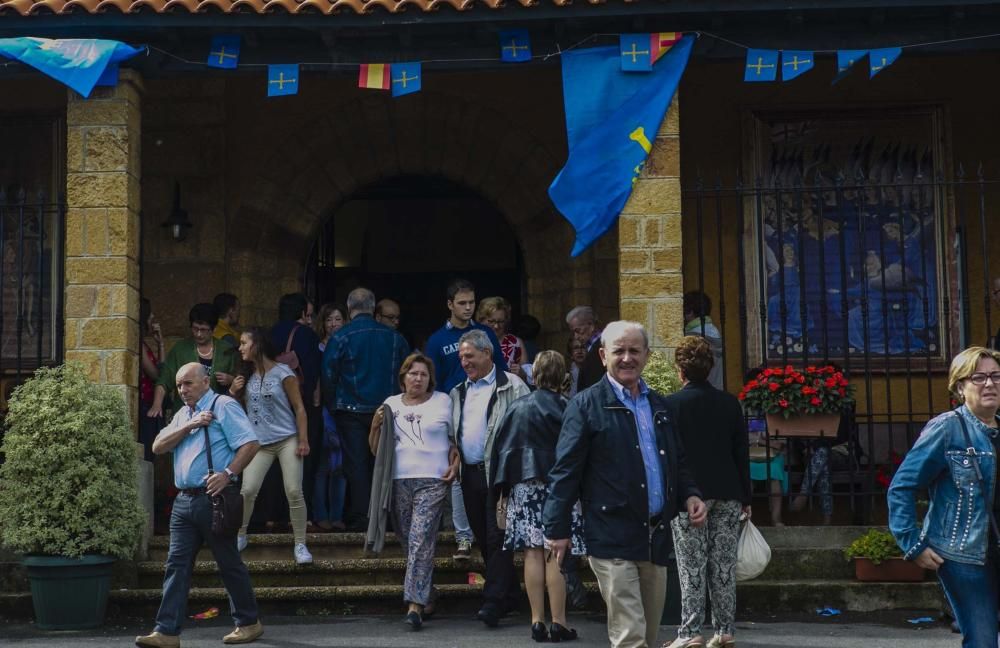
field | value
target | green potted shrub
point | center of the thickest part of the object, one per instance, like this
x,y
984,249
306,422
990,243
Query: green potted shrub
x,y
68,495
661,374
877,557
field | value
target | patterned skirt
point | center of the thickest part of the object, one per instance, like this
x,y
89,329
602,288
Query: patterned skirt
x,y
524,519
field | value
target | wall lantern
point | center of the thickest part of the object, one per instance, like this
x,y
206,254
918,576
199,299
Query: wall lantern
x,y
178,221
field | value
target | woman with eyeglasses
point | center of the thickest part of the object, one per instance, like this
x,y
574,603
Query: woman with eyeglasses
x,y
955,460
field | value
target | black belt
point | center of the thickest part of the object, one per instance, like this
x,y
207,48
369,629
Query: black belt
x,y
193,492
481,467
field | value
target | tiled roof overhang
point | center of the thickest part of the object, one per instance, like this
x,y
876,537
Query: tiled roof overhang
x,y
327,7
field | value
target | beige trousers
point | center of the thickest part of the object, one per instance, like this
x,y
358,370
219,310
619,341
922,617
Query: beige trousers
x,y
634,592
291,475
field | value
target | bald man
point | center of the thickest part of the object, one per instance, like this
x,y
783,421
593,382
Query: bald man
x,y
233,444
387,312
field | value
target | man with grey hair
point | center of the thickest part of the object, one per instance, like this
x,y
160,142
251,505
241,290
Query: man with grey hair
x,y
584,327
619,455
221,421
360,370
478,404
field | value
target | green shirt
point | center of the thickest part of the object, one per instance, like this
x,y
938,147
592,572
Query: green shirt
x,y
185,351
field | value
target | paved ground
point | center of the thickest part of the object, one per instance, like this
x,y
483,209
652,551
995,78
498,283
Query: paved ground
x,y
888,630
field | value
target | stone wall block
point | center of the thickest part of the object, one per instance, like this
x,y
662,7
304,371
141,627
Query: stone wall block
x,y
671,124
667,259
635,310
665,158
655,196
673,235
74,149
668,316
652,229
80,301
105,333
628,231
91,361
97,232
634,260
97,190
651,285
121,368
97,270
96,112
106,149
75,232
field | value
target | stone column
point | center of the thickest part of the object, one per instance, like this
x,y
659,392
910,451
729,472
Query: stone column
x,y
102,234
649,242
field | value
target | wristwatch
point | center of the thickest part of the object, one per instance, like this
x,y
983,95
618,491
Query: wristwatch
x,y
232,476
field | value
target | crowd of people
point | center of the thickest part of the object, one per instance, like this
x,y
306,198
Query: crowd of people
x,y
553,454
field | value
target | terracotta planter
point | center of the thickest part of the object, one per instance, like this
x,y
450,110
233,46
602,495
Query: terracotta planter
x,y
889,570
805,425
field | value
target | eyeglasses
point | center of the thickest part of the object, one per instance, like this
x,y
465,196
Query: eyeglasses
x,y
979,379
496,322
201,329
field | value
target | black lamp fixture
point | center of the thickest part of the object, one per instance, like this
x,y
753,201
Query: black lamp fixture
x,y
178,220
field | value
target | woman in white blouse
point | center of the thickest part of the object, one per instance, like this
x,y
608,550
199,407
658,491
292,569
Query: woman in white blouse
x,y
424,464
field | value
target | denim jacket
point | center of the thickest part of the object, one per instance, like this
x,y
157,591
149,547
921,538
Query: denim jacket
x,y
361,365
957,524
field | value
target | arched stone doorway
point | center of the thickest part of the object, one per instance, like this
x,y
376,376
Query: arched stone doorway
x,y
315,166
406,238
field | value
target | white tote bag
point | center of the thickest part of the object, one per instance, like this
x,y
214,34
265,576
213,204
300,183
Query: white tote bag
x,y
752,553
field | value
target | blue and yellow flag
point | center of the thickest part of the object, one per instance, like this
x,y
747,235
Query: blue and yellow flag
x,y
611,121
224,52
282,80
762,65
75,62
405,78
880,59
636,52
515,46
795,63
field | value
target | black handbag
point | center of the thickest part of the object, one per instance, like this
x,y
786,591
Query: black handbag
x,y
227,506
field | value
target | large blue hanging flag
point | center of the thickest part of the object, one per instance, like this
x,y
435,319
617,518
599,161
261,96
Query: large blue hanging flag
x,y
880,59
762,65
796,63
224,52
75,62
611,119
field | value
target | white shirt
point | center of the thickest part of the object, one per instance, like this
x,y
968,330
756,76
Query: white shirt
x,y
477,399
423,436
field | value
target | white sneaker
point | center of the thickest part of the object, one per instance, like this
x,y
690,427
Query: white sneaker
x,y
302,555
241,543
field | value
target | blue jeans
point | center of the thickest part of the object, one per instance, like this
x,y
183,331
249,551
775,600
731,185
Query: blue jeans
x,y
328,496
972,592
459,519
190,527
358,464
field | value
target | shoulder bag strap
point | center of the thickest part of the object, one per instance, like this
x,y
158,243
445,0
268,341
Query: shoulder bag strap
x,y
208,444
291,336
971,450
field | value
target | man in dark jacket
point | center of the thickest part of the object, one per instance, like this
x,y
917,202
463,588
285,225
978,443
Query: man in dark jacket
x,y
585,329
619,455
360,370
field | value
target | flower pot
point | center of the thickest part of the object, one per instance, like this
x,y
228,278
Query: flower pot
x,y
890,569
69,593
804,425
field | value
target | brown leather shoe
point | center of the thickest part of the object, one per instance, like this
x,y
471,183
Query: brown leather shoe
x,y
158,640
244,634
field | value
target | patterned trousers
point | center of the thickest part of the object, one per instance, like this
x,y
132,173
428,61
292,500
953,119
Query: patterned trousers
x,y
817,478
417,506
706,557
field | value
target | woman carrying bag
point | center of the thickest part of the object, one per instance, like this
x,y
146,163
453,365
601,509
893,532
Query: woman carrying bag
x,y
415,463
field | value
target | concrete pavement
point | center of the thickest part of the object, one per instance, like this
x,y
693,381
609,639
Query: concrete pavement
x,y
850,631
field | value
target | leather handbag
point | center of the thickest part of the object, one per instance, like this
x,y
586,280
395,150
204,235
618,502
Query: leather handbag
x,y
227,506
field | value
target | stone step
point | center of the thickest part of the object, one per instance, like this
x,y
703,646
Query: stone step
x,y
323,546
754,599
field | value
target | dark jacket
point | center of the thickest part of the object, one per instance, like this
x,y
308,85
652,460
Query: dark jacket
x,y
598,461
305,344
525,445
712,428
361,365
592,369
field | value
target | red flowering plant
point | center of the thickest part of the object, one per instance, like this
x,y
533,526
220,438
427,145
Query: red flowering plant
x,y
790,392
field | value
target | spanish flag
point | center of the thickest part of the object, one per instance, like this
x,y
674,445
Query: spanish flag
x,y
661,42
374,76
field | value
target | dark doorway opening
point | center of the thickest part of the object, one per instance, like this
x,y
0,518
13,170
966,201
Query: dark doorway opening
x,y
405,238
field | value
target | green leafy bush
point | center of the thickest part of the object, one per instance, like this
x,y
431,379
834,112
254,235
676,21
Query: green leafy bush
x,y
876,546
68,486
661,373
